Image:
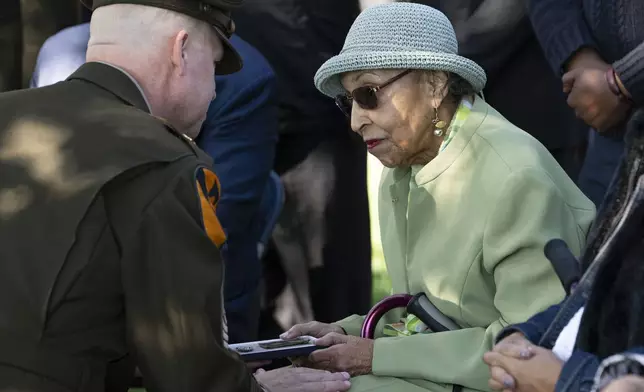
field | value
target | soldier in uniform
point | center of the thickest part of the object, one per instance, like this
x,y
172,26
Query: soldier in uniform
x,y
108,234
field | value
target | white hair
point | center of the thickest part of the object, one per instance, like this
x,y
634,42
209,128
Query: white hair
x,y
141,27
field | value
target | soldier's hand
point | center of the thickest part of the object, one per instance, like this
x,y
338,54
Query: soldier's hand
x,y
314,328
302,380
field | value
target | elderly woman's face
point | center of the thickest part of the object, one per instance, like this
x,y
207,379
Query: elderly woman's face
x,y
399,131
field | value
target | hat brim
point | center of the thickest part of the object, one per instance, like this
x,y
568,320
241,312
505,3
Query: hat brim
x,y
231,61
328,77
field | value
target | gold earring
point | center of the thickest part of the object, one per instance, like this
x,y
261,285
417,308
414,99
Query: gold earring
x,y
439,124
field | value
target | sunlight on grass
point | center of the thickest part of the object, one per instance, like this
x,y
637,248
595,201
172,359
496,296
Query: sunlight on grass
x,y
381,283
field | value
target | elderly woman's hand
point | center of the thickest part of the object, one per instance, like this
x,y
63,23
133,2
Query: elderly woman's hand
x,y
349,354
314,328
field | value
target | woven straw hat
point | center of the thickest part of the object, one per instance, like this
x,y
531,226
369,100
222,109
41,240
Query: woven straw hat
x,y
398,36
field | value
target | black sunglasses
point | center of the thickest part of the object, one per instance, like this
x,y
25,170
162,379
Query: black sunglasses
x,y
366,97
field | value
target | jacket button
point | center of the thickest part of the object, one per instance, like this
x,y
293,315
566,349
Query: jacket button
x,y
394,200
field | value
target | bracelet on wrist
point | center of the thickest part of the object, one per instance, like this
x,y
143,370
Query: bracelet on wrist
x,y
613,85
612,82
621,86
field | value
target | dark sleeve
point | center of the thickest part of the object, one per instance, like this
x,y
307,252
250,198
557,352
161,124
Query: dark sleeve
x,y
534,328
578,373
172,283
240,135
492,33
561,29
631,72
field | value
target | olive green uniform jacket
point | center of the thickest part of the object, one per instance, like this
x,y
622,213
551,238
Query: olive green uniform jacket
x,y
108,245
468,229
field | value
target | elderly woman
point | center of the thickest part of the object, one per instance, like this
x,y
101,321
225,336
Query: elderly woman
x,y
467,203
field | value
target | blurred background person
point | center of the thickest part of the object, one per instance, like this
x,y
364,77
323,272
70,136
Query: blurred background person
x,y
497,34
323,234
597,45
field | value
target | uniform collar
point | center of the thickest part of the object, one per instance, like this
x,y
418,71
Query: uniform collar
x,y
115,80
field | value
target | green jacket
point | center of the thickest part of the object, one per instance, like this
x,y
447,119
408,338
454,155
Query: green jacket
x,y
469,231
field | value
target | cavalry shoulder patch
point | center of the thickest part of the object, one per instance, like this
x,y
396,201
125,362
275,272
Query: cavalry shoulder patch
x,y
209,190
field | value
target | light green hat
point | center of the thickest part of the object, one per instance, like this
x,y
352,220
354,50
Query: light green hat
x,y
398,36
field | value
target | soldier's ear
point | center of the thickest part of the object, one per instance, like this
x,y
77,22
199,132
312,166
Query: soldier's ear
x,y
179,51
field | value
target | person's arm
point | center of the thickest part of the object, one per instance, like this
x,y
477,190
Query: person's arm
x,y
525,283
172,282
562,31
630,73
352,325
534,328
